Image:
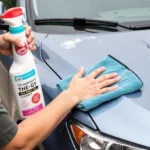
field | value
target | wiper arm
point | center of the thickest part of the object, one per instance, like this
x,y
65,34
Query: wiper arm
x,y
78,23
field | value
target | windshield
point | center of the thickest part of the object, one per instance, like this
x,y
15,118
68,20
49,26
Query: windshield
x,y
115,10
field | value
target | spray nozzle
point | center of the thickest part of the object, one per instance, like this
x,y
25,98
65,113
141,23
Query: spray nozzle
x,y
14,17
13,12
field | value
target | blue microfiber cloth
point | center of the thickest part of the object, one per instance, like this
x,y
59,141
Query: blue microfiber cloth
x,y
129,82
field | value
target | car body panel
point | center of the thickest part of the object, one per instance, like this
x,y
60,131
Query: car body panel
x,y
82,117
65,55
4,86
123,119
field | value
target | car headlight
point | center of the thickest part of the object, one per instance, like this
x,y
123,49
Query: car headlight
x,y
87,139
89,143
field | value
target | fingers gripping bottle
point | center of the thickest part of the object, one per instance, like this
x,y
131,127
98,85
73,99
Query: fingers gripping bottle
x,y
23,73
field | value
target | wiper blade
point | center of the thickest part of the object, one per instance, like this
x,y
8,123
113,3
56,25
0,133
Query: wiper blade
x,y
140,27
77,23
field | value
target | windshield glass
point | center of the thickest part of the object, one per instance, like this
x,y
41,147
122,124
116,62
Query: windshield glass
x,y
115,10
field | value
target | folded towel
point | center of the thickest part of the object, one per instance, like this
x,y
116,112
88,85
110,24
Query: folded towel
x,y
129,82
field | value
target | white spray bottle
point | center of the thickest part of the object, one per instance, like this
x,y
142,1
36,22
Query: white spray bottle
x,y
23,73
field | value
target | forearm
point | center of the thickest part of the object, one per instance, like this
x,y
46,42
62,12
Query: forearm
x,y
37,127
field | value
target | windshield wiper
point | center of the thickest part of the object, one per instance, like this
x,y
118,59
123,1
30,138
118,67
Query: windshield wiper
x,y
79,23
82,24
141,27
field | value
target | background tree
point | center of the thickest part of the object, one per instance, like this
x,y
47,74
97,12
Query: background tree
x,y
9,3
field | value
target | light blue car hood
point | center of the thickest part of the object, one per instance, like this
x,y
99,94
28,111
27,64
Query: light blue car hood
x,y
127,118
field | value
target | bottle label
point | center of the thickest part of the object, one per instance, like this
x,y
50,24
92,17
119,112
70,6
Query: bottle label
x,y
21,50
29,93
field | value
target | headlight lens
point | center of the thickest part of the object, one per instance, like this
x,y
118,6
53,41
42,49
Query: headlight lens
x,y
87,142
118,147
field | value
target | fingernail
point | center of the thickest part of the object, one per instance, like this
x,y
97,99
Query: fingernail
x,y
119,77
31,46
116,86
34,47
22,44
27,32
115,74
103,68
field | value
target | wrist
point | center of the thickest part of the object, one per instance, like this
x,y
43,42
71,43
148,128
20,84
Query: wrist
x,y
72,96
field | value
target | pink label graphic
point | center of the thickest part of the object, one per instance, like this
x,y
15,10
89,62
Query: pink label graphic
x,y
32,111
21,50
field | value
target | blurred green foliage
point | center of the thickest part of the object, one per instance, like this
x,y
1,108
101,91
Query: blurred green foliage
x,y
9,3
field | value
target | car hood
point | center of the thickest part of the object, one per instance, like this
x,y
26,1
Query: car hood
x,y
128,117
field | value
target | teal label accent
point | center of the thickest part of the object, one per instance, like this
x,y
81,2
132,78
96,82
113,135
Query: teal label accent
x,y
17,30
25,76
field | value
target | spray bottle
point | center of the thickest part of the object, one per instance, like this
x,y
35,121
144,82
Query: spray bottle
x,y
23,73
